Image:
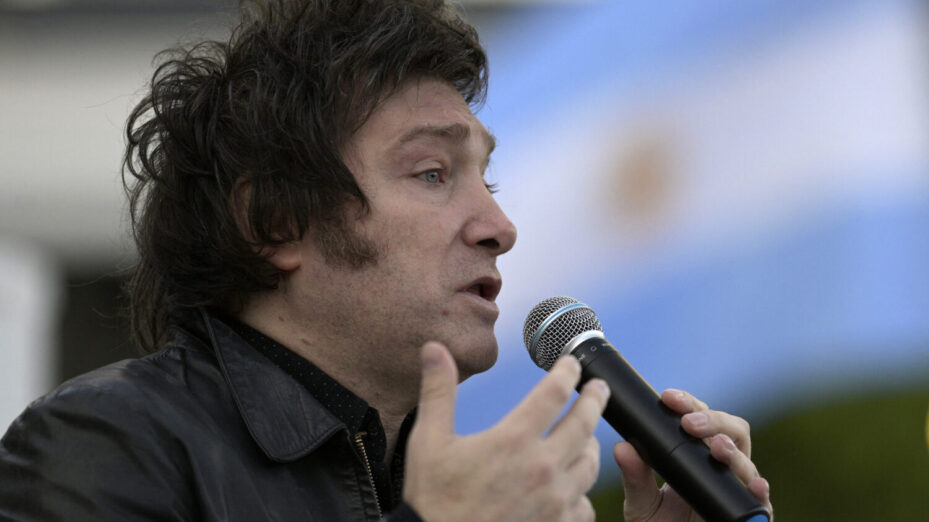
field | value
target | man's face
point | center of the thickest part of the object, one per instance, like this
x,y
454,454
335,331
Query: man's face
x,y
420,160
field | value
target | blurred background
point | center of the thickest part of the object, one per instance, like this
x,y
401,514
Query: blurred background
x,y
739,189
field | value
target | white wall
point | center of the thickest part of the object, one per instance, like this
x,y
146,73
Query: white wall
x,y
29,301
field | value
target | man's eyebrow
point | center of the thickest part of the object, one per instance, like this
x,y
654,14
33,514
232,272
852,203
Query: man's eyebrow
x,y
456,132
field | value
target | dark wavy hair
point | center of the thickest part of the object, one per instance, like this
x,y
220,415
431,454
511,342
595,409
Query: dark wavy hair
x,y
268,110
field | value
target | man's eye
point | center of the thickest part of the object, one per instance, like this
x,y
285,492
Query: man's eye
x,y
430,176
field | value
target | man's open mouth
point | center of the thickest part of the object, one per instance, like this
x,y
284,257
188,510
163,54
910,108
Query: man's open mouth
x,y
485,287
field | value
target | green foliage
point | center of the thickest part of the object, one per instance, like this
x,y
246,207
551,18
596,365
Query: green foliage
x,y
863,459
608,501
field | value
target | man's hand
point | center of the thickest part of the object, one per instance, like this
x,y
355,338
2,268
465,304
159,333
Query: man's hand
x,y
729,441
521,469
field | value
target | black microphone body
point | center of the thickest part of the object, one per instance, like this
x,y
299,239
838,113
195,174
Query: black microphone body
x,y
635,411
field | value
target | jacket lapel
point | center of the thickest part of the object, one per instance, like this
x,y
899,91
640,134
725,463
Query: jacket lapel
x,y
286,421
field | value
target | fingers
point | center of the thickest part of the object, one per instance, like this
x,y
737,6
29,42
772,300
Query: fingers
x,y
682,402
577,480
728,436
541,407
436,414
581,420
762,491
700,421
583,471
581,511
724,450
642,495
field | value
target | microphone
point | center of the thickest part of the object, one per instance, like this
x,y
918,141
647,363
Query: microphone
x,y
562,325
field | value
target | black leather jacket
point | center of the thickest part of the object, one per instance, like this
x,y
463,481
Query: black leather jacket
x,y
206,429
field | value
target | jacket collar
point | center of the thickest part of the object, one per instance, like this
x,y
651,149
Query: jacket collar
x,y
283,418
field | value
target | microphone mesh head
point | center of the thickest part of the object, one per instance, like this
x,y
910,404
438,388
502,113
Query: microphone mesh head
x,y
552,324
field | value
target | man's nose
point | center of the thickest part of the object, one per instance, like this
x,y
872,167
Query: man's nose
x,y
490,227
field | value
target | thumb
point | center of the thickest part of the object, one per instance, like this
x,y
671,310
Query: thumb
x,y
639,483
436,413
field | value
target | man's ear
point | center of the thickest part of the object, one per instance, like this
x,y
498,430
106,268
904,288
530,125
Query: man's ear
x,y
286,257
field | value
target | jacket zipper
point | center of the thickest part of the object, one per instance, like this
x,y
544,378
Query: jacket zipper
x,y
364,456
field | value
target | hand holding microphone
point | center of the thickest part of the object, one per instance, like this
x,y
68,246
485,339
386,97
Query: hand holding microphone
x,y
563,326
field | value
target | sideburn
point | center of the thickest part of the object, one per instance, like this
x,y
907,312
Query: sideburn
x,y
343,246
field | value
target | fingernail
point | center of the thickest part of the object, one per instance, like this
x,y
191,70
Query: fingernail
x,y
678,394
727,442
698,419
574,362
577,364
602,386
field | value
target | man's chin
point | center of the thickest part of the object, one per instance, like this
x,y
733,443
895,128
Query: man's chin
x,y
475,361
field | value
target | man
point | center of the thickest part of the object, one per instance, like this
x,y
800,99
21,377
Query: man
x,y
318,258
